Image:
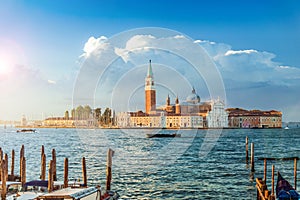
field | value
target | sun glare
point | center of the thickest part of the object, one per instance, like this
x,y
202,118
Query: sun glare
x,y
4,67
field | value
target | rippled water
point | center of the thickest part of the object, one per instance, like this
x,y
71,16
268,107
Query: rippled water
x,y
198,165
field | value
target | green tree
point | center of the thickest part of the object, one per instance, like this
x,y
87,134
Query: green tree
x,y
73,113
86,112
67,115
79,113
106,117
98,114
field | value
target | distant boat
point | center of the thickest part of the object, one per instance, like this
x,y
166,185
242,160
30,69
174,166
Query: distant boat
x,y
26,130
287,127
162,135
284,190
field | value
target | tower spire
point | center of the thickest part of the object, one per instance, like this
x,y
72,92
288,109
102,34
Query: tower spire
x,y
150,73
150,94
177,101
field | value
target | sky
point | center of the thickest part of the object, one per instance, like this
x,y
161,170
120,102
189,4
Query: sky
x,y
45,46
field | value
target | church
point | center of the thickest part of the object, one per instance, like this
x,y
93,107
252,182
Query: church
x,y
190,113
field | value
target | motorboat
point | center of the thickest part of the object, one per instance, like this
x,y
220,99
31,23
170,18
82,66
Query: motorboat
x,y
162,135
26,131
90,193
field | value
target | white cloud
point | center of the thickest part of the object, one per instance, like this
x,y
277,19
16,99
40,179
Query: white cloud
x,y
92,44
200,41
179,36
232,52
135,44
284,67
139,41
51,82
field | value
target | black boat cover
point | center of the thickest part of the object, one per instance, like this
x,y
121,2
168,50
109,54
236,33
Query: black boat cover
x,y
284,190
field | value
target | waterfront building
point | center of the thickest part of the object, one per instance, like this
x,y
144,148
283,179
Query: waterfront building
x,y
23,121
191,113
217,117
59,122
241,118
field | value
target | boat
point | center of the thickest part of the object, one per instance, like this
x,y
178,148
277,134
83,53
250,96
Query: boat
x,y
90,193
14,191
28,195
162,135
12,187
30,190
37,190
26,130
287,127
284,190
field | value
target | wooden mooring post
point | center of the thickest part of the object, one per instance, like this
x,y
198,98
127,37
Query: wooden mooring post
x,y
3,180
22,154
42,151
23,171
50,177
252,157
273,183
265,171
12,167
43,167
295,173
84,178
6,166
262,191
66,173
247,149
110,154
54,164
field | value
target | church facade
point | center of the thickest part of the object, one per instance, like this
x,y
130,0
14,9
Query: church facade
x,y
191,113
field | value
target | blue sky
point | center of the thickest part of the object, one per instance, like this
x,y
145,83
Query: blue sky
x,y
41,42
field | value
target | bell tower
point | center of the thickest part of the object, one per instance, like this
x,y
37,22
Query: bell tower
x,y
150,93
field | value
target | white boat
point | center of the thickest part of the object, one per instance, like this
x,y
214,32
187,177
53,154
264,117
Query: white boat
x,y
90,193
286,127
13,192
28,195
11,187
31,189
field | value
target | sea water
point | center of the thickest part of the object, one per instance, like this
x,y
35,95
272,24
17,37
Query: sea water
x,y
200,164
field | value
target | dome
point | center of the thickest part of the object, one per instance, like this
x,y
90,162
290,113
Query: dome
x,y
193,98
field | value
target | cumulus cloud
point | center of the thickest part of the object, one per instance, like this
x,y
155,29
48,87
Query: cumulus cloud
x,y
232,52
179,37
92,44
135,44
249,66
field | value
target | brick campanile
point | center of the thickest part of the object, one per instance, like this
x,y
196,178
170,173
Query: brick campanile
x,y
150,93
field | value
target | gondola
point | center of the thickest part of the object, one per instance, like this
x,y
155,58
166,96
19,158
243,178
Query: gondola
x,y
162,135
284,190
26,131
